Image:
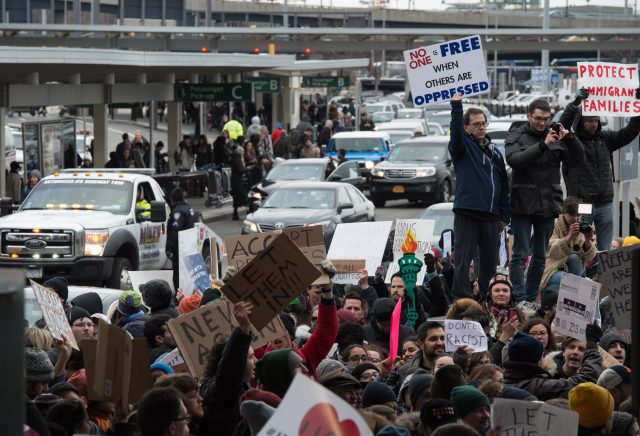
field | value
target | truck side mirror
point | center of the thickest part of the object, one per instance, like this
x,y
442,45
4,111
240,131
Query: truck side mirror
x,y
158,212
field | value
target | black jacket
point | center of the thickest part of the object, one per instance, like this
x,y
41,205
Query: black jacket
x,y
374,336
182,218
592,181
536,186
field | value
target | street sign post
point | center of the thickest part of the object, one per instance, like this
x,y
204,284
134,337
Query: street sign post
x,y
326,82
629,161
214,92
265,84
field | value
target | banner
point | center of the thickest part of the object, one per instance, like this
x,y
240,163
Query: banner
x,y
422,232
310,409
464,333
436,72
347,270
612,89
616,277
577,300
358,240
516,417
197,271
53,314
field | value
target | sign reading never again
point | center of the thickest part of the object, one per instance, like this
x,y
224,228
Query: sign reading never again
x,y
213,92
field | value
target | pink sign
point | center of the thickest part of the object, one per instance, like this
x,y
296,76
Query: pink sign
x,y
395,332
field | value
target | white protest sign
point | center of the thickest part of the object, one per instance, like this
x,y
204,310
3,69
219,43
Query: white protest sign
x,y
361,241
187,245
422,232
436,72
502,252
53,314
616,275
464,333
141,277
612,88
577,300
309,409
446,242
517,417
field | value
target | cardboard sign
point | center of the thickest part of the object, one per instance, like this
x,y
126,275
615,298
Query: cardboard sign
x,y
607,359
394,333
196,332
422,232
516,417
464,333
53,314
141,277
197,271
271,280
616,276
358,240
310,240
347,270
174,360
577,301
612,88
309,409
436,72
89,348
122,366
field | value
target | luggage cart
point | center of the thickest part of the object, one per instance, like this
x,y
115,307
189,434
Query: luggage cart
x,y
218,187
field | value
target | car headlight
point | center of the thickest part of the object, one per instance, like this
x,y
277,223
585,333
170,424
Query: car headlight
x,y
95,241
250,227
368,164
325,224
426,172
255,195
378,172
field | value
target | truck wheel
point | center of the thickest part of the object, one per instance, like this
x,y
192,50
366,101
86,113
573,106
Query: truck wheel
x,y
120,274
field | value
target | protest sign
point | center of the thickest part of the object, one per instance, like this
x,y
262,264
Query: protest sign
x,y
616,276
577,300
197,271
607,359
503,257
53,314
517,417
446,243
271,280
422,233
140,277
174,360
89,349
395,331
464,333
187,245
436,72
612,88
361,240
309,408
347,270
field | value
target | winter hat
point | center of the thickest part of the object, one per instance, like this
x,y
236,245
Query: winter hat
x,y
62,387
37,366
593,403
157,294
466,399
338,380
611,337
393,430
256,413
129,303
79,381
209,295
377,393
45,401
525,348
189,303
89,301
437,412
327,366
622,422
549,299
447,378
360,369
276,370
266,397
613,376
630,240
346,316
289,323
101,316
76,313
382,309
418,384
60,285
35,173
162,366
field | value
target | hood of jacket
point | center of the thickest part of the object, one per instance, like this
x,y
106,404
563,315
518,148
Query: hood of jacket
x,y
516,372
578,122
552,363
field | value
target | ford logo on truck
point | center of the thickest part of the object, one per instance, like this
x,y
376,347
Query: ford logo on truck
x,y
35,244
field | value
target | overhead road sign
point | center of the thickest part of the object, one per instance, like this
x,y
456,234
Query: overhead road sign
x,y
267,84
326,82
214,92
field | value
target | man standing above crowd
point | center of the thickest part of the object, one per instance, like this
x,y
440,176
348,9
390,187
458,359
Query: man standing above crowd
x,y
592,182
481,205
534,152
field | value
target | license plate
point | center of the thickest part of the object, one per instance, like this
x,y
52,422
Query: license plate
x,y
398,189
33,273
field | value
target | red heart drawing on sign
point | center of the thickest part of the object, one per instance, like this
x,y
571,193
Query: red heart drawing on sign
x,y
322,419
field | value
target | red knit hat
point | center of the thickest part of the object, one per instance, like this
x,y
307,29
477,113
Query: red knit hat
x,y
258,395
189,303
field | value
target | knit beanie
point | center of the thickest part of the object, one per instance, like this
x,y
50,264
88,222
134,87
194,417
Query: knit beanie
x,y
346,316
613,376
189,303
377,393
130,302
276,370
62,387
258,395
447,378
76,313
622,422
418,384
256,413
437,412
466,399
289,323
525,348
60,285
209,295
37,366
327,366
157,294
611,337
393,430
339,380
630,240
593,403
358,370
89,301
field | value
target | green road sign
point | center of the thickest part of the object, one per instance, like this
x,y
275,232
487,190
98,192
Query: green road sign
x,y
326,82
267,84
214,92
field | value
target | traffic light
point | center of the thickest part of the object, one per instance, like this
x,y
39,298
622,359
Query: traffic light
x,y
307,51
203,49
256,50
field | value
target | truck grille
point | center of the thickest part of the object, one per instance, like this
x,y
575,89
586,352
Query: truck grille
x,y
46,244
399,173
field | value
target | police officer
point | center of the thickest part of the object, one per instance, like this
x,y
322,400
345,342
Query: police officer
x,y
182,218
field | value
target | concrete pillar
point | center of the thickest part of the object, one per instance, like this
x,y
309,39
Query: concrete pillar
x,y
33,78
74,79
275,110
100,135
295,100
3,162
174,129
286,102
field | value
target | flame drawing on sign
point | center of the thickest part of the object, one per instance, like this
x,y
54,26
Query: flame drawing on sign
x,y
409,245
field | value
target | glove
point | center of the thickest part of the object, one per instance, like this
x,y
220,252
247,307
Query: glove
x,y
582,94
381,273
637,93
229,273
430,262
593,333
327,267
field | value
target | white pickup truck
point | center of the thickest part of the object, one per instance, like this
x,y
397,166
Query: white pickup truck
x,y
83,225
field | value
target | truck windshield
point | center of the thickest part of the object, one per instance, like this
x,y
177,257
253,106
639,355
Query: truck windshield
x,y
81,194
357,144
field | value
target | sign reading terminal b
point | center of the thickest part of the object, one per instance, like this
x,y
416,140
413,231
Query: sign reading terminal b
x,y
214,92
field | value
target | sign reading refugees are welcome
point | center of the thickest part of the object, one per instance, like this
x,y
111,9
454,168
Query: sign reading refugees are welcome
x,y
436,72
459,333
612,88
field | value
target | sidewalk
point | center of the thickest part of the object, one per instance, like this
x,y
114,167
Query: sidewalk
x,y
211,213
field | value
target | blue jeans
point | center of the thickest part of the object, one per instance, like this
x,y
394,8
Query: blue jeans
x,y
574,266
525,243
603,218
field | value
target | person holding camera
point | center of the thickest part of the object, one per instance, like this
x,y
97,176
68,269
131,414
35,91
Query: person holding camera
x,y
535,151
593,181
570,247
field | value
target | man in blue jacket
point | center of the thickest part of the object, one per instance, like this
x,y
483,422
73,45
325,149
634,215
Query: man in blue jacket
x,y
481,206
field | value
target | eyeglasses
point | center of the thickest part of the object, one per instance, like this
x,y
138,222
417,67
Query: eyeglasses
x,y
359,359
374,360
540,119
479,124
186,418
540,333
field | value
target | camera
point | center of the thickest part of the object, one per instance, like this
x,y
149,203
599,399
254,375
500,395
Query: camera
x,y
586,228
585,209
555,127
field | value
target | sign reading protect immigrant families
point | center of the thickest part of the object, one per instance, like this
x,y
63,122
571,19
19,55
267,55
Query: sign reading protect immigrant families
x,y
436,72
612,88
